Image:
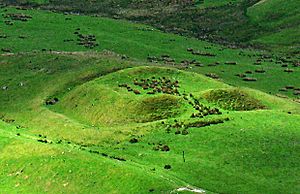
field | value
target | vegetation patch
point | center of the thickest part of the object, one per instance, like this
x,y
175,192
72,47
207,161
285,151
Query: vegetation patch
x,y
18,16
159,107
157,85
233,99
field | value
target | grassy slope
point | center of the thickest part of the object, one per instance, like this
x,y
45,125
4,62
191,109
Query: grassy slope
x,y
212,3
254,152
280,18
241,22
38,168
250,156
132,40
94,100
60,168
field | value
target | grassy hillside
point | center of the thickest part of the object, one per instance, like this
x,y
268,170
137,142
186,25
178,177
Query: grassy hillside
x,y
68,144
143,43
98,105
281,21
35,167
266,24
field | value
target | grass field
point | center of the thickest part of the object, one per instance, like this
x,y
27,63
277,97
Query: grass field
x,y
281,18
238,22
140,112
246,160
139,42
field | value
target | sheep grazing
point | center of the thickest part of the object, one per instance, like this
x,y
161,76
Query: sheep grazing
x,y
296,92
212,75
199,64
260,71
249,79
18,16
22,37
289,70
165,56
168,60
231,63
241,75
212,65
289,87
185,132
133,140
145,87
152,59
185,63
195,52
136,92
42,140
9,23
190,49
88,41
3,36
167,167
165,148
297,64
7,50
153,85
283,90
123,57
51,101
203,53
297,89
118,158
123,85
257,63
151,92
68,40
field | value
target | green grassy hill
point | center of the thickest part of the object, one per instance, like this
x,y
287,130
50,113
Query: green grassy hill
x,y
272,25
67,144
281,21
98,105
142,42
41,168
